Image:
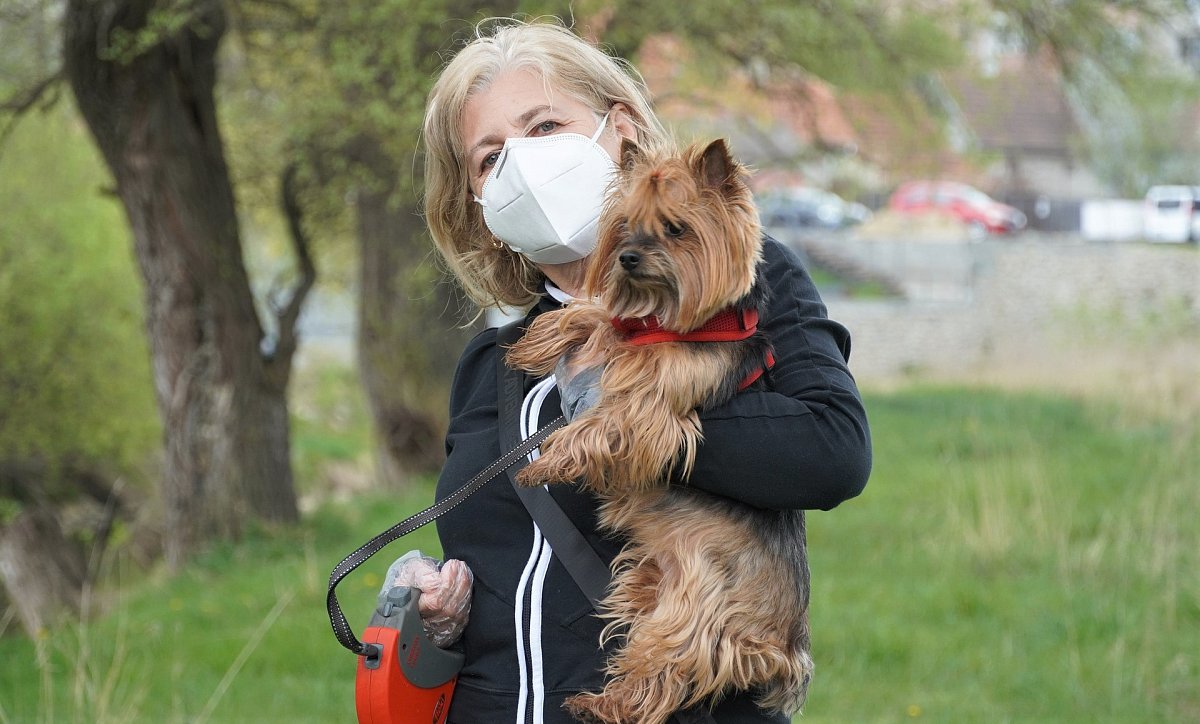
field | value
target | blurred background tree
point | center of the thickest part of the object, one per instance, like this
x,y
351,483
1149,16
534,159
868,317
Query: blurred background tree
x,y
1135,109
143,74
349,97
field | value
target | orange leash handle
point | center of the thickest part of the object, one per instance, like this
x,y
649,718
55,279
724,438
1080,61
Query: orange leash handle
x,y
404,678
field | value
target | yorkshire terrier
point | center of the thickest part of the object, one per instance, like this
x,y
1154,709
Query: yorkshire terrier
x,y
709,596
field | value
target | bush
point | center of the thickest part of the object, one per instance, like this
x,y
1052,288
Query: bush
x,y
75,383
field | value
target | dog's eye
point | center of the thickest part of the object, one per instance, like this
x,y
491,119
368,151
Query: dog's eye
x,y
673,229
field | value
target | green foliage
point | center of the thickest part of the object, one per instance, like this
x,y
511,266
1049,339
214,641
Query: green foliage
x,y
1140,134
164,19
319,79
1117,60
340,88
75,381
1110,33
1015,557
848,43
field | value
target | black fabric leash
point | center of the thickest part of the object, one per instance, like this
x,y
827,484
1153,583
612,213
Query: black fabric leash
x,y
341,629
576,555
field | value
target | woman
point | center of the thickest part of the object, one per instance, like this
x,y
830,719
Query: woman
x,y
531,638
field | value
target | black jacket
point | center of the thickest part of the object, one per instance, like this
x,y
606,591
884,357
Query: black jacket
x,y
802,443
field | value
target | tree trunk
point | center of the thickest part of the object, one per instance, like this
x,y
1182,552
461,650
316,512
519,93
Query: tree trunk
x,y
41,570
221,397
410,318
410,336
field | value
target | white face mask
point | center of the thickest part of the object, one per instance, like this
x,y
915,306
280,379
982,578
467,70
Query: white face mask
x,y
543,196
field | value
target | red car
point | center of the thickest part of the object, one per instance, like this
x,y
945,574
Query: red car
x,y
980,212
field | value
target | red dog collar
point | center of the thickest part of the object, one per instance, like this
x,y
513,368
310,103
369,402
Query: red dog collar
x,y
729,325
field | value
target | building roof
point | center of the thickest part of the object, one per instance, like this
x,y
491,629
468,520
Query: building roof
x,y
1022,108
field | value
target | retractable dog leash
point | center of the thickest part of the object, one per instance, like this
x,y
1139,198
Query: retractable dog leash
x,y
402,677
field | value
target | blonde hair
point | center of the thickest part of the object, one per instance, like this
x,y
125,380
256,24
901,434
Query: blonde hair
x,y
492,274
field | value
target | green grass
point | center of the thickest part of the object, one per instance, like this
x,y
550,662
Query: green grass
x,y
330,423
1015,557
161,651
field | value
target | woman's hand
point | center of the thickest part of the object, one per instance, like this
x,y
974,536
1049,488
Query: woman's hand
x,y
445,602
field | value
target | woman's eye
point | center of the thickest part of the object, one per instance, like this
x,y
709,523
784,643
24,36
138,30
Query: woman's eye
x,y
673,229
546,126
489,160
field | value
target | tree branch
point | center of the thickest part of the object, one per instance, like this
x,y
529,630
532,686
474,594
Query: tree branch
x,y
25,99
288,315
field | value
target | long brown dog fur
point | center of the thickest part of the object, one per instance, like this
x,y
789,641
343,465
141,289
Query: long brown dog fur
x,y
709,596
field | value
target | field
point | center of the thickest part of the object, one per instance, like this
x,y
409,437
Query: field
x,y
1017,556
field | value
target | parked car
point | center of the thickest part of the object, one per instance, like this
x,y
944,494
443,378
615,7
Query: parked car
x,y
1172,213
980,212
808,207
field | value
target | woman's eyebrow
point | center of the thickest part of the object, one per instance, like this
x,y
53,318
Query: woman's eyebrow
x,y
528,115
522,120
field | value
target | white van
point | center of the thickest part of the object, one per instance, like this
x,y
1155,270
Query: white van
x,y
1173,213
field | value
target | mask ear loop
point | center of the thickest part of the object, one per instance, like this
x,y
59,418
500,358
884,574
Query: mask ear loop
x,y
600,128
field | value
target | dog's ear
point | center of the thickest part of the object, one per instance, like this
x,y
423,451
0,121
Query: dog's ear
x,y
630,152
716,166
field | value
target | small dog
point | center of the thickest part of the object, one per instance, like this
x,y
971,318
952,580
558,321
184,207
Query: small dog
x,y
709,595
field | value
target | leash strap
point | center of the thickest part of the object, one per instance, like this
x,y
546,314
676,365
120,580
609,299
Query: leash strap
x,y
341,628
582,562
576,555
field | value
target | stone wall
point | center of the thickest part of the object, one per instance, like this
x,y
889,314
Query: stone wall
x,y
966,303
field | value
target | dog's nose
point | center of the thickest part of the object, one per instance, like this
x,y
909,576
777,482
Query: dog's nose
x,y
629,259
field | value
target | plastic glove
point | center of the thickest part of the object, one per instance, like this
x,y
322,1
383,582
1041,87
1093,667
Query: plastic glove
x,y
578,385
445,602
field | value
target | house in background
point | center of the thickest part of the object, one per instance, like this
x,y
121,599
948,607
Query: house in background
x,y
1020,114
